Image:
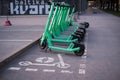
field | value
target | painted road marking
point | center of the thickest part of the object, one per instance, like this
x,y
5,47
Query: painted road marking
x,y
61,60
81,71
14,68
28,63
45,60
66,71
85,50
25,63
48,70
31,69
38,64
83,66
61,63
84,56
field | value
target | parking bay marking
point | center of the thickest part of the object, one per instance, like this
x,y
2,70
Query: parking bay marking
x,y
31,69
62,64
14,68
83,66
59,64
44,60
81,71
66,71
48,70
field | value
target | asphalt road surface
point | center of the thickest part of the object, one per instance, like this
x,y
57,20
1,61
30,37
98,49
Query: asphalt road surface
x,y
101,60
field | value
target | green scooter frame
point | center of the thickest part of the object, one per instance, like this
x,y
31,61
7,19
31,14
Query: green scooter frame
x,y
47,39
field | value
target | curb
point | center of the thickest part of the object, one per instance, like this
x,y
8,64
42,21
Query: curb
x,y
10,58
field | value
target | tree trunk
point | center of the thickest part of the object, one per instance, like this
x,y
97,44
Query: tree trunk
x,y
117,5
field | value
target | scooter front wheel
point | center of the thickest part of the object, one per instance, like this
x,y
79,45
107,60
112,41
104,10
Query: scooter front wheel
x,y
81,51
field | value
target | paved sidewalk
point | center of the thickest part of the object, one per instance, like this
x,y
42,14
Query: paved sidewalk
x,y
24,32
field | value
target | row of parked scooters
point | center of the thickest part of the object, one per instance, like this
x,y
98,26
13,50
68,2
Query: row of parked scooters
x,y
61,33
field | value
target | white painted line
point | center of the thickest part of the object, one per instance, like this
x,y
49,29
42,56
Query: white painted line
x,y
15,40
44,60
84,56
25,63
66,71
28,63
61,60
48,70
38,64
31,69
14,68
49,60
40,60
61,63
83,66
81,71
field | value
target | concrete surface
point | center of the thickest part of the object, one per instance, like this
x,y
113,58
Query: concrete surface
x,y
25,30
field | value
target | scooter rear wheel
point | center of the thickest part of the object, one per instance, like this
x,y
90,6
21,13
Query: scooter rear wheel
x,y
43,45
